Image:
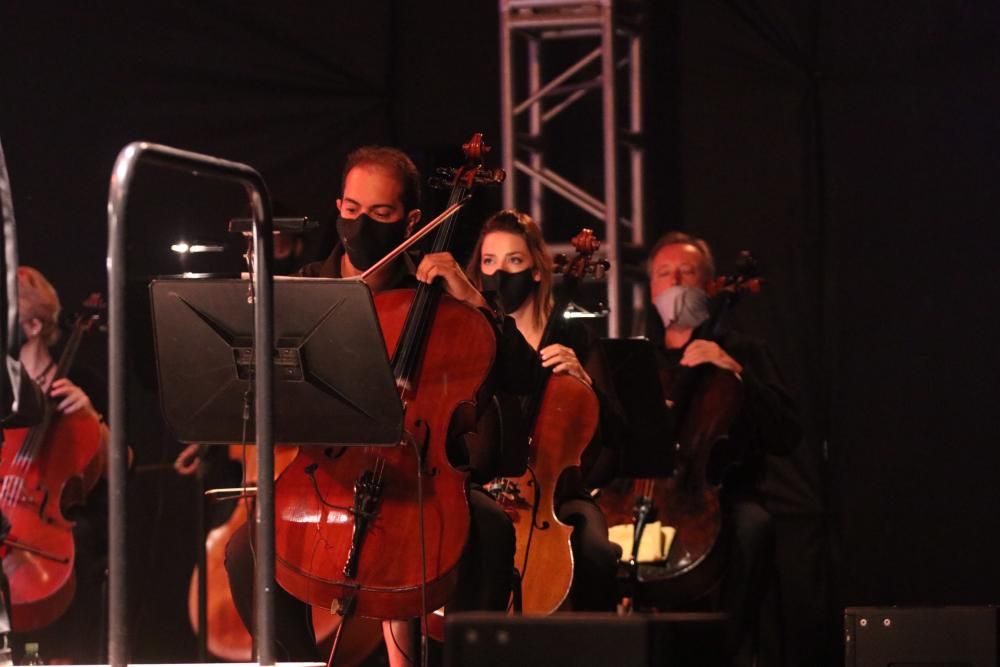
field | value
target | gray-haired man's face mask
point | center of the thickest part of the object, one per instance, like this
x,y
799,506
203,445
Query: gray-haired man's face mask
x,y
682,306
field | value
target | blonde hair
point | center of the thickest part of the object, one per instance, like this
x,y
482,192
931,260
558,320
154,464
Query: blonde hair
x,y
37,299
520,224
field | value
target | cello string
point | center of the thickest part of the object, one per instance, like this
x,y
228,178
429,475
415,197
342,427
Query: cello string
x,y
31,445
418,321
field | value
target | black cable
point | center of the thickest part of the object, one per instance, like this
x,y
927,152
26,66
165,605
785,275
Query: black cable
x,y
310,471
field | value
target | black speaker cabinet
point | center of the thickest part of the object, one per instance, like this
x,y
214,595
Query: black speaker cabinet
x,y
571,640
920,636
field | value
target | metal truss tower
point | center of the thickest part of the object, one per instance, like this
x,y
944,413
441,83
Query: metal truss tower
x,y
610,33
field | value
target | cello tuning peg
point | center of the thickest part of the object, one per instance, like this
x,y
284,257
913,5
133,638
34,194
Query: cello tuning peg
x,y
746,264
486,176
598,269
442,178
560,261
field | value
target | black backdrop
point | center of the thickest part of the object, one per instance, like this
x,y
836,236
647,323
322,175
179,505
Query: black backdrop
x,y
852,146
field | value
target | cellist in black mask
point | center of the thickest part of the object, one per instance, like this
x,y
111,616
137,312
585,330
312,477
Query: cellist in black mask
x,y
378,208
512,262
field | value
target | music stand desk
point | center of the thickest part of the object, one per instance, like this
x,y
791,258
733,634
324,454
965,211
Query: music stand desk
x,y
332,379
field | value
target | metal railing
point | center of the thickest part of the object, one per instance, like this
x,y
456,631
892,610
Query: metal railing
x,y
260,203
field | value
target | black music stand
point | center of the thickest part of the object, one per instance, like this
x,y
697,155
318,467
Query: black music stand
x,y
627,372
332,379
626,369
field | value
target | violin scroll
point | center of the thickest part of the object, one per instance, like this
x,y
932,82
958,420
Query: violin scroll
x,y
475,148
746,278
472,172
91,310
586,244
444,177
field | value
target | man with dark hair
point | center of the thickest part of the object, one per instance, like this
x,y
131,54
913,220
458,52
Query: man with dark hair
x,y
391,160
680,268
377,211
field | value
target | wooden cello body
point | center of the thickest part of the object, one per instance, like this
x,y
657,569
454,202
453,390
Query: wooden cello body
x,y
39,563
47,469
227,637
568,418
688,500
316,520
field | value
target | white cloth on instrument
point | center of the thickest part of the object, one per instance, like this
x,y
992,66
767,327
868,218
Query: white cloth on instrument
x,y
655,543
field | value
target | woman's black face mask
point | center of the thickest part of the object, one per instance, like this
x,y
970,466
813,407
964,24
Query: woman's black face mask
x,y
511,289
367,241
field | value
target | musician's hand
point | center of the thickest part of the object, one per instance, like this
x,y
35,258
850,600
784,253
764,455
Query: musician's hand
x,y
442,265
562,360
707,352
73,398
187,461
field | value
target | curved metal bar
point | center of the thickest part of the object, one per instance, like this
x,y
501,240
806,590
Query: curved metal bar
x,y
260,201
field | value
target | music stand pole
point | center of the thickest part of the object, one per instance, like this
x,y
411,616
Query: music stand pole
x,y
8,291
260,202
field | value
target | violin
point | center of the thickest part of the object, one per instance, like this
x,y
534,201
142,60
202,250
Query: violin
x,y
46,470
379,532
228,638
562,413
707,400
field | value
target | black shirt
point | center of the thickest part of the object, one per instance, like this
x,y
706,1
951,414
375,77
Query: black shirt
x,y
766,421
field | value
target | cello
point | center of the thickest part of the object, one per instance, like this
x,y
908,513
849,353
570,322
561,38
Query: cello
x,y
47,469
379,532
227,637
707,400
562,417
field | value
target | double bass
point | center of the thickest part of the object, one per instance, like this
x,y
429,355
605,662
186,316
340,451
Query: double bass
x,y
379,532
47,469
707,400
562,417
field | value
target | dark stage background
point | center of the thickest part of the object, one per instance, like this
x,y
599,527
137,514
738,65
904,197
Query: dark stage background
x,y
852,145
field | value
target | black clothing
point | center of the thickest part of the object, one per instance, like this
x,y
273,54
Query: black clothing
x,y
486,571
595,557
293,627
765,424
327,268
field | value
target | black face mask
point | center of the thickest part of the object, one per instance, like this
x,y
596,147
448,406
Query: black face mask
x,y
367,241
511,289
